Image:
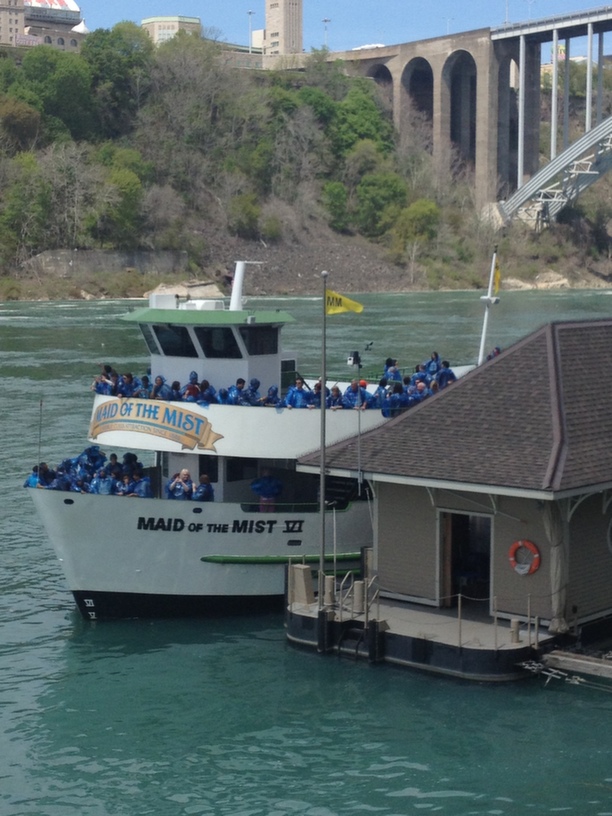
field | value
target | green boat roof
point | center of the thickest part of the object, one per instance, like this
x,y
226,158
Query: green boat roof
x,y
207,317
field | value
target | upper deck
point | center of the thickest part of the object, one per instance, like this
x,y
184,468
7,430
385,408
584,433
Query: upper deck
x,y
220,344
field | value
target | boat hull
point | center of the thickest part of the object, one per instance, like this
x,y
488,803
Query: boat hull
x,y
95,605
127,557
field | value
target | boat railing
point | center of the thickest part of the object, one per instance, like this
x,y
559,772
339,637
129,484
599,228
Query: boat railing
x,y
291,507
529,622
281,507
356,599
345,596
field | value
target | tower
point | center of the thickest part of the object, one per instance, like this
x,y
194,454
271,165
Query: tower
x,y
284,27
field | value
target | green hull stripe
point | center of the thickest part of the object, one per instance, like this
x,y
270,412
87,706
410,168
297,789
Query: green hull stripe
x,y
276,559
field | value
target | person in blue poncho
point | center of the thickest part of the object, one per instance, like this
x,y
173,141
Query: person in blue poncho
x,y
161,389
268,488
432,366
45,475
207,395
128,385
122,485
180,487
251,395
298,396
378,397
316,396
191,391
445,375
102,484
396,402
391,370
271,397
204,492
336,402
145,389
32,479
139,487
356,396
235,392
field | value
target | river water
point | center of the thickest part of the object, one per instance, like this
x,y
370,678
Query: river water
x,y
221,716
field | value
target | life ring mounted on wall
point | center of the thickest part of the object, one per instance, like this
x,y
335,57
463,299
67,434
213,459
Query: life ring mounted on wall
x,y
524,567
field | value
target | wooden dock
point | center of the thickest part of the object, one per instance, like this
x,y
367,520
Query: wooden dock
x,y
579,663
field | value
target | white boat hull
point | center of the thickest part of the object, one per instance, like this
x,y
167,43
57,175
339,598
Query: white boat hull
x,y
153,557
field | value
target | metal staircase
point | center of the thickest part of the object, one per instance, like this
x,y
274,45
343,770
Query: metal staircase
x,y
562,180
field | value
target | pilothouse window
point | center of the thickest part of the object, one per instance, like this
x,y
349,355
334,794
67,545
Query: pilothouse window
x,y
175,341
260,339
149,339
219,342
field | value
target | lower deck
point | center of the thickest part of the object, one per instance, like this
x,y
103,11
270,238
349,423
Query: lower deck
x,y
457,643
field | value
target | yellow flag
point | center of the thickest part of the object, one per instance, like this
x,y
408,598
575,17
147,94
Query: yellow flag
x,y
497,278
336,304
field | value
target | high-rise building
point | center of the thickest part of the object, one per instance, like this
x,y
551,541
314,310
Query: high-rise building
x,y
11,21
284,27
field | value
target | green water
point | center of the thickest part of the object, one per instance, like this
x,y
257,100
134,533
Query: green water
x,y
221,716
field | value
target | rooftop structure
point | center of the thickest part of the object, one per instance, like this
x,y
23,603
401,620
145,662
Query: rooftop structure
x,y
162,29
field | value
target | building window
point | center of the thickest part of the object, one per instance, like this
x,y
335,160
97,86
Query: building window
x,y
47,40
60,40
73,43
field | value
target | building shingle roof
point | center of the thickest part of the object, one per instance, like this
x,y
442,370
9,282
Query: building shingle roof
x,y
536,418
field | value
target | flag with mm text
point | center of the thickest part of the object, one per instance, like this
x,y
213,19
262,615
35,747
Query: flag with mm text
x,y
336,303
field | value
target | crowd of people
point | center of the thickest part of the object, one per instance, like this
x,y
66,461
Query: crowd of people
x,y
394,393
92,472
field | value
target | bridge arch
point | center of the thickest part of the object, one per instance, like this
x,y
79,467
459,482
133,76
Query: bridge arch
x,y
507,131
459,79
418,86
384,79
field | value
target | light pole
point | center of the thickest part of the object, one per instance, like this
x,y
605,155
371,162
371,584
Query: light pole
x,y
250,13
326,20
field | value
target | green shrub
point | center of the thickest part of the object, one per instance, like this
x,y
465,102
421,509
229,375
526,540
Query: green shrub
x,y
335,200
271,229
244,212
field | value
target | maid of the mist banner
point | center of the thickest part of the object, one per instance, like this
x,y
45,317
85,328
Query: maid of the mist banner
x,y
159,419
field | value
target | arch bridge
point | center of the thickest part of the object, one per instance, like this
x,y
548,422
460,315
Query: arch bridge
x,y
477,95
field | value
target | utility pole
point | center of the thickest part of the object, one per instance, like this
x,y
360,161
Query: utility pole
x,y
250,13
326,20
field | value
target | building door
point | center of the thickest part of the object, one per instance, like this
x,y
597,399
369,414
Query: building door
x,y
466,557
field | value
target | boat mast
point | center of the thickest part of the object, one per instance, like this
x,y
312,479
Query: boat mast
x,y
489,301
237,283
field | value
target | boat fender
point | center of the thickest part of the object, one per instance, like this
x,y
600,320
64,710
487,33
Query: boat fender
x,y
529,567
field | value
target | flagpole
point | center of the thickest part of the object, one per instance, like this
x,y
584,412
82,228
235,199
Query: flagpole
x,y
321,581
489,301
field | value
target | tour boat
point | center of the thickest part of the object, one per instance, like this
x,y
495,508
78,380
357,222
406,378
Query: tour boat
x,y
157,557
